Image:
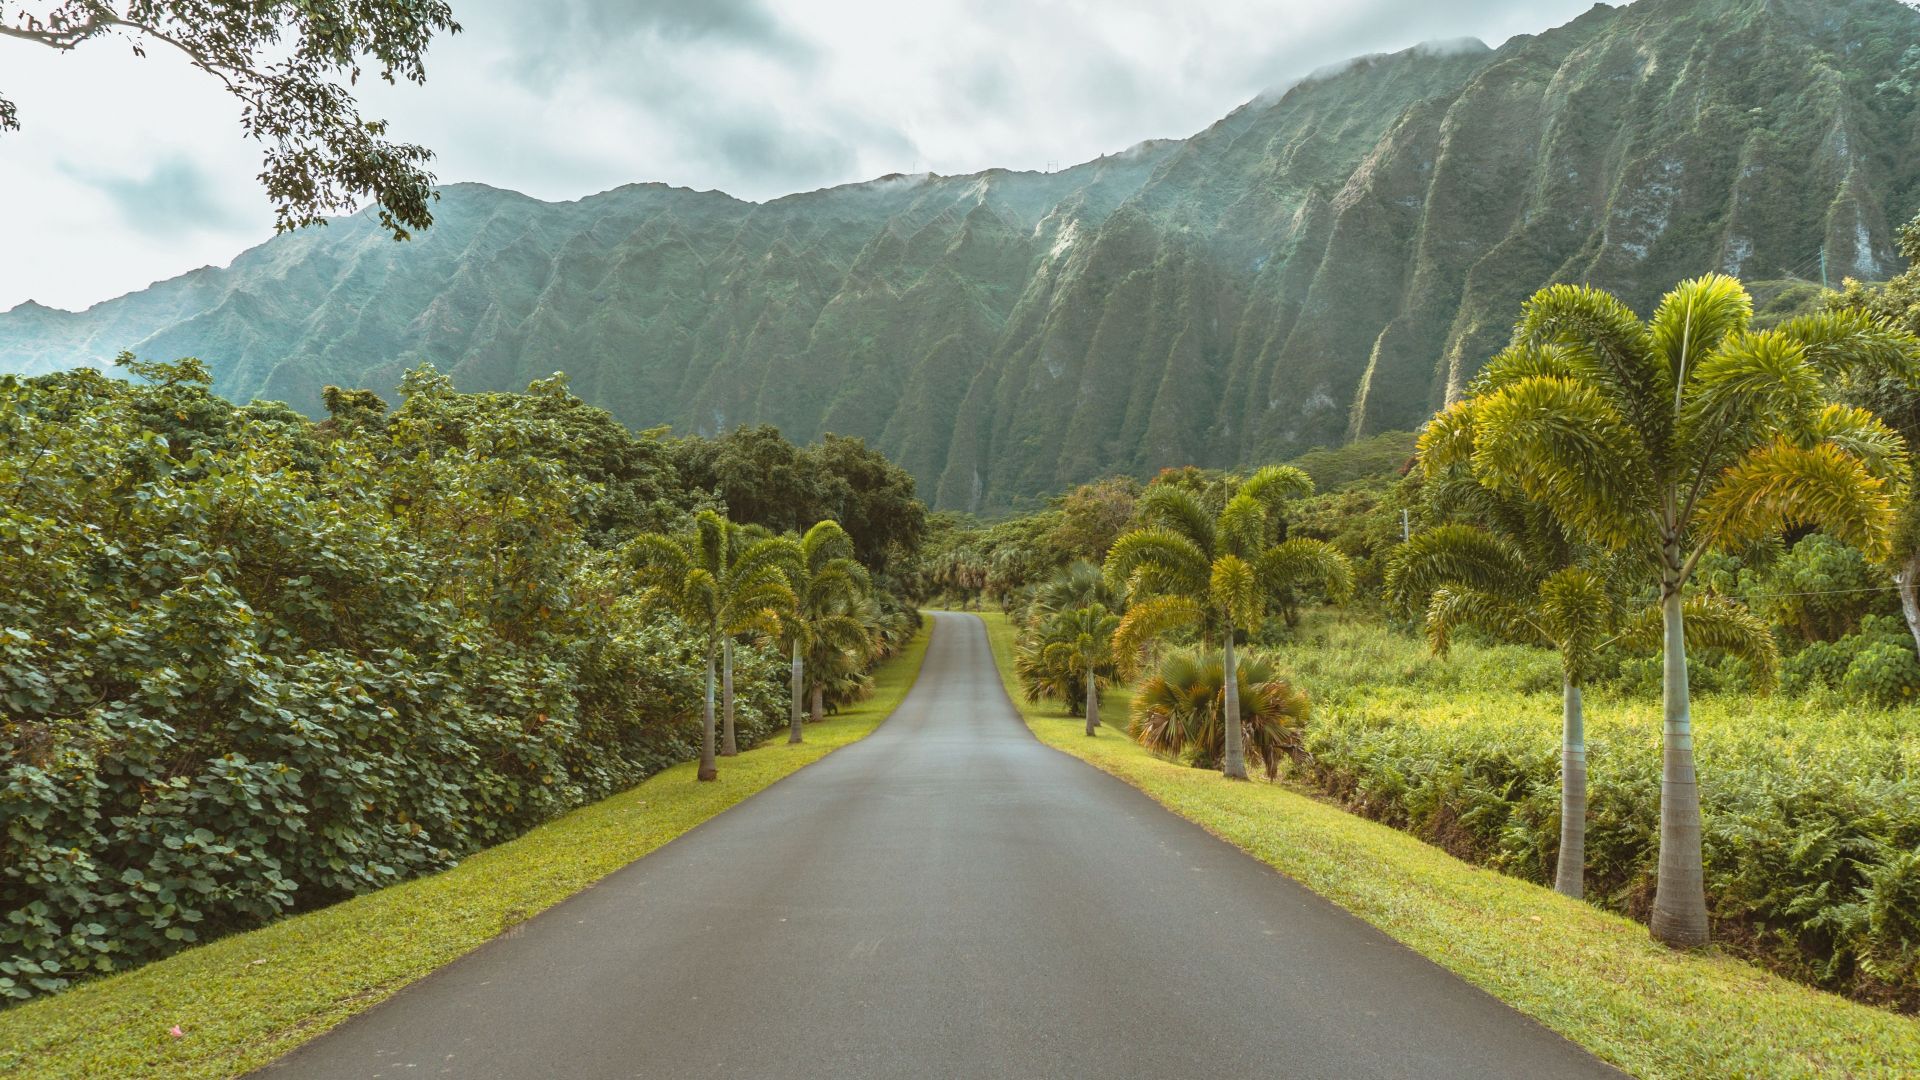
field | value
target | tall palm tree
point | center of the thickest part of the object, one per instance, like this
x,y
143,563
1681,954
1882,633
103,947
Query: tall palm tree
x,y
1075,647
719,588
1668,438
828,587
738,539
1219,571
1468,576
1179,710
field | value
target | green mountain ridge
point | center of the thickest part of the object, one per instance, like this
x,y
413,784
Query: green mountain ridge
x,y
1317,266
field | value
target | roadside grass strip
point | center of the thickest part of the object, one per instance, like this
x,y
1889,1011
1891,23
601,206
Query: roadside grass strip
x,y
241,1001
1594,977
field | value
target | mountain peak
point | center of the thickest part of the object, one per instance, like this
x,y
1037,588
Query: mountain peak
x,y
27,309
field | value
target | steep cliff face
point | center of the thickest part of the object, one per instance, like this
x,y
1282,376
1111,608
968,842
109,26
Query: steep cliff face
x,y
1317,266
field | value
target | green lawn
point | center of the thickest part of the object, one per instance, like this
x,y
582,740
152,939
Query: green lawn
x,y
1595,978
244,1000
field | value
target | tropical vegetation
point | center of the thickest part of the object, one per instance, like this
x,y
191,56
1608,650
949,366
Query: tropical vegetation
x,y
1703,507
1674,437
1181,712
252,664
1218,561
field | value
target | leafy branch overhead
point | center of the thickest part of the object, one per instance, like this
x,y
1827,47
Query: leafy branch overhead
x,y
292,64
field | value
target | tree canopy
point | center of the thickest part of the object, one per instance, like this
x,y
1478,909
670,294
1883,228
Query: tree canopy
x,y
292,65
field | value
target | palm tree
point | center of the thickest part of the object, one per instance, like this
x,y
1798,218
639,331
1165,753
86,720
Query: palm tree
x,y
1178,710
1668,438
718,588
836,664
1467,576
1220,572
828,587
1075,585
1075,649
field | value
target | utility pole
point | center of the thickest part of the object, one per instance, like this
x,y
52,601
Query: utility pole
x,y
1823,267
1406,526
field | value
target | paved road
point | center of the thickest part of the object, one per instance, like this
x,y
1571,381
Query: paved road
x,y
947,898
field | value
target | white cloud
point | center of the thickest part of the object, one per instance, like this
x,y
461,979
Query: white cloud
x,y
564,99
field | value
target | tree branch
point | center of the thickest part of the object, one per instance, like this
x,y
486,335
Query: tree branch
x,y
63,38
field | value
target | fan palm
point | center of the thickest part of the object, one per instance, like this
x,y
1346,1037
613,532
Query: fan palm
x,y
1218,571
1178,710
719,588
1075,585
828,587
1668,438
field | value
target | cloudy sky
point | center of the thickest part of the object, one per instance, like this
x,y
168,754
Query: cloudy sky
x,y
131,170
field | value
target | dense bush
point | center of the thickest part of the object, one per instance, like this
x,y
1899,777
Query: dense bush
x,y
1877,665
1811,809
251,665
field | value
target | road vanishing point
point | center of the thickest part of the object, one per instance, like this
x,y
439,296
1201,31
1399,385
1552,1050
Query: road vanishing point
x,y
945,898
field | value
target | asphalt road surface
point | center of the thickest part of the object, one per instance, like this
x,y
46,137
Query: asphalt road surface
x,y
946,898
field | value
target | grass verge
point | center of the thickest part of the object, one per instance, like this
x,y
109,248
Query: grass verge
x,y
244,1000
1596,978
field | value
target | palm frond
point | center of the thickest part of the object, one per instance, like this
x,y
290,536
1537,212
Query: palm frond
x,y
656,557
776,553
1234,588
1695,318
710,540
1242,527
1525,360
1563,444
1156,560
1780,486
1453,555
1861,434
1273,485
1711,622
1178,510
1454,607
825,542
1637,380
1852,342
1447,440
1575,611
1302,561
1751,382
1152,618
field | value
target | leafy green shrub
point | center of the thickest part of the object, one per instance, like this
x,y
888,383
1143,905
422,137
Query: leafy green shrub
x,y
1885,672
1822,665
1877,665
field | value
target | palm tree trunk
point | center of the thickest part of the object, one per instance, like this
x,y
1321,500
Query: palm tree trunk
x,y
708,770
1234,766
1907,579
728,747
1570,876
819,702
1093,703
1680,897
793,720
